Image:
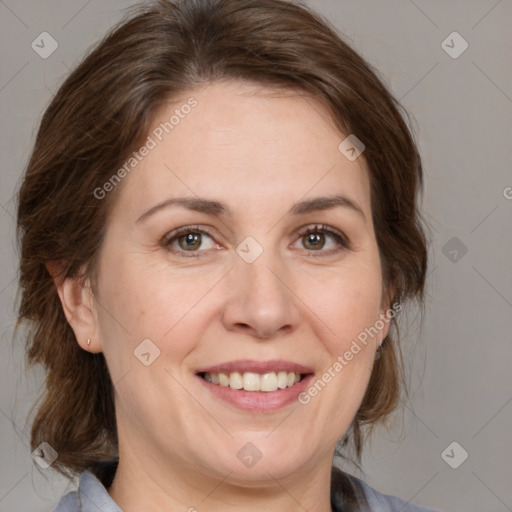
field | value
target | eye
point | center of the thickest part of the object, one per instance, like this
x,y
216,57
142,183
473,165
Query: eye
x,y
315,238
188,239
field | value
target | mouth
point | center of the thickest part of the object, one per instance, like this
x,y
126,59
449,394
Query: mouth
x,y
251,381
257,386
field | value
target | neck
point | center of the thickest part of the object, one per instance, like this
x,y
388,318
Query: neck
x,y
141,483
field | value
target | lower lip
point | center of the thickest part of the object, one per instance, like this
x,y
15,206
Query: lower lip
x,y
258,401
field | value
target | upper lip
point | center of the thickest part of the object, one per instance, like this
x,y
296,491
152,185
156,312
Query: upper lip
x,y
261,367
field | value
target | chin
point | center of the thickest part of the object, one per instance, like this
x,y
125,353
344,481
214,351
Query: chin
x,y
261,460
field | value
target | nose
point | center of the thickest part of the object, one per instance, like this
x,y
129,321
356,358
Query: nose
x,y
262,302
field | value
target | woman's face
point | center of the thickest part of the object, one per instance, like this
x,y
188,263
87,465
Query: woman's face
x,y
242,293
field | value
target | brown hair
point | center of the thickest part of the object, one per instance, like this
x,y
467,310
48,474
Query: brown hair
x,y
103,111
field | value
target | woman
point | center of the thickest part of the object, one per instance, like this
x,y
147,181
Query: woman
x,y
218,226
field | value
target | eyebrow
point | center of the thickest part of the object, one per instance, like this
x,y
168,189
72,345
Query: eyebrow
x,y
219,209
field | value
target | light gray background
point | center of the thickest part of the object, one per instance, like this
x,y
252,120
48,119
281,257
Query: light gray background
x,y
460,364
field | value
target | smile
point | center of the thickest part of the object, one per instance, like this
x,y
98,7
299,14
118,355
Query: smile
x,y
250,381
256,386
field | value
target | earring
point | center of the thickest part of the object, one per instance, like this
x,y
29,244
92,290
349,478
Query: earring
x,y
378,353
88,341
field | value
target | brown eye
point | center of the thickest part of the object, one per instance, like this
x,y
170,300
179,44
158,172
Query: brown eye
x,y
190,242
315,241
317,238
188,239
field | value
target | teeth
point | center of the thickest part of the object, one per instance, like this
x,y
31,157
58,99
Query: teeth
x,y
223,379
250,381
236,380
268,382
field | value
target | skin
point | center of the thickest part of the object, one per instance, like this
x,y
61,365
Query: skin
x,y
259,151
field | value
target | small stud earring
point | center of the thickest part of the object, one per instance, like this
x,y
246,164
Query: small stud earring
x,y
88,341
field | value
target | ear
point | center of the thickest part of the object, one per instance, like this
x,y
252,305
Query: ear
x,y
78,303
387,312
387,324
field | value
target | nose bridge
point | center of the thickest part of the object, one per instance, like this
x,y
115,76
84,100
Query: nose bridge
x,y
263,281
260,300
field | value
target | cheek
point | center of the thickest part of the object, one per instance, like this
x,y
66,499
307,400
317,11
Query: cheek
x,y
346,303
138,301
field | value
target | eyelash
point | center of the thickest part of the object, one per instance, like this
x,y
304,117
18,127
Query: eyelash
x,y
341,240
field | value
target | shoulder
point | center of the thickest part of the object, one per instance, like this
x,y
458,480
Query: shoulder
x,y
68,503
380,502
91,496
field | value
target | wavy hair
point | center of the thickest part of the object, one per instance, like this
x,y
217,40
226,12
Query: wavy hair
x,y
103,112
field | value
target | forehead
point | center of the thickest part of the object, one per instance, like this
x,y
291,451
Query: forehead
x,y
245,144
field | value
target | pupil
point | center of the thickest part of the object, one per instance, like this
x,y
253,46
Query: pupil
x,y
191,241
314,239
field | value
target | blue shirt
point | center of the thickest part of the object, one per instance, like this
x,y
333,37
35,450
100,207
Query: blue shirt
x,y
92,496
